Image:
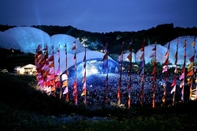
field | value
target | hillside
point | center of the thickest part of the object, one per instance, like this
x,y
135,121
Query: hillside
x,y
23,107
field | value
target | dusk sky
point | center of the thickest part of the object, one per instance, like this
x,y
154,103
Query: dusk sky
x,y
100,15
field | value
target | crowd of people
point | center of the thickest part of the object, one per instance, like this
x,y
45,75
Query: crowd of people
x,y
96,90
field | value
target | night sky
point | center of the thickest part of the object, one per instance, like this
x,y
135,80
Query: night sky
x,y
100,15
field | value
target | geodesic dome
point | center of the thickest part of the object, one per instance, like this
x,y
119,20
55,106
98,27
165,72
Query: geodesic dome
x,y
7,41
160,54
62,40
28,38
189,48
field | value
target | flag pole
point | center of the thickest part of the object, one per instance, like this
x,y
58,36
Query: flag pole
x,y
120,78
130,68
165,71
175,74
154,73
84,78
75,81
182,77
142,73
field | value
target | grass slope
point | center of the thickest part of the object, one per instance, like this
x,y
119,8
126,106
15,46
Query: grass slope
x,y
24,108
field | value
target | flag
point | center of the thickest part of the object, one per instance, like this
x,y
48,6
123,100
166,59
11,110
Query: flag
x,y
190,67
165,68
74,57
182,76
191,59
173,89
118,95
74,45
175,57
167,53
190,73
84,89
184,46
120,57
166,62
57,71
154,48
64,77
50,77
84,78
142,56
65,90
189,80
57,84
51,64
105,57
57,78
174,82
65,83
51,70
182,84
51,58
176,70
152,55
83,93
129,57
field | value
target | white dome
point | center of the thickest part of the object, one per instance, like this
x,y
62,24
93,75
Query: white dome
x,y
7,41
160,53
90,55
28,38
189,48
62,39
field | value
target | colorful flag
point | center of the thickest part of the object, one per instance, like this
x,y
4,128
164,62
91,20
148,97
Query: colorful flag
x,y
152,55
130,57
174,82
182,76
182,84
65,83
65,91
191,59
190,73
173,89
165,68
190,67
167,53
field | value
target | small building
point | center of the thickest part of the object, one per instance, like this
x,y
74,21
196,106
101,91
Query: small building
x,y
28,69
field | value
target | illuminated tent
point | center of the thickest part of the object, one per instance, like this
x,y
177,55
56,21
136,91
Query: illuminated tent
x,y
94,63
